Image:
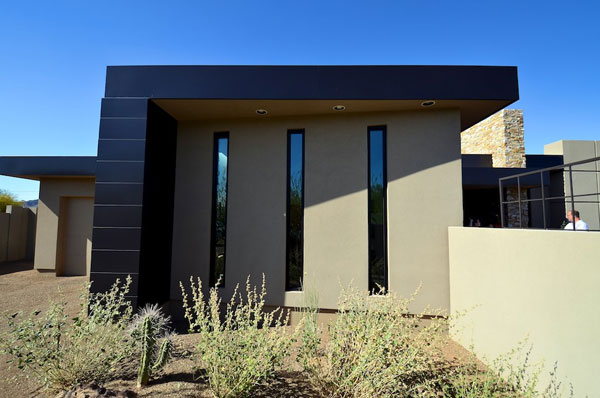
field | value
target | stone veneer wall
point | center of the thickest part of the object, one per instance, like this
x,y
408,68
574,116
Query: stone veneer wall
x,y
511,210
500,135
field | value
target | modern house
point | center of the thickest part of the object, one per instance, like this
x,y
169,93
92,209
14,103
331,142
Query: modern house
x,y
315,176
318,176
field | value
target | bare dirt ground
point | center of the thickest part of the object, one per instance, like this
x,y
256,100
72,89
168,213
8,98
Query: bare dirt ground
x,y
24,289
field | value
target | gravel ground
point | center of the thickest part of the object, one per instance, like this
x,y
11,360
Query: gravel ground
x,y
25,289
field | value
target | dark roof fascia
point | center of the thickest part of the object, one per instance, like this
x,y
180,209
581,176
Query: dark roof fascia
x,y
314,82
487,177
36,167
476,160
543,161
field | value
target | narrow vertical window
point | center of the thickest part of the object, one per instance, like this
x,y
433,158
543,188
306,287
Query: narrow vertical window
x,y
295,210
377,209
219,209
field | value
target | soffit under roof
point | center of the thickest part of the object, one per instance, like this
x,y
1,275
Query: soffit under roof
x,y
187,110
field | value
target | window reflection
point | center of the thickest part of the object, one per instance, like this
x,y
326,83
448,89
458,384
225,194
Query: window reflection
x,y
377,211
219,218
295,210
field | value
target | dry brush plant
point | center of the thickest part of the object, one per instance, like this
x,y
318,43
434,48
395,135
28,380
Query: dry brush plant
x,y
509,375
376,348
60,352
240,347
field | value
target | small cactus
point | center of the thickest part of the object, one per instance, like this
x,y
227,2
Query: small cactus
x,y
150,351
148,344
163,354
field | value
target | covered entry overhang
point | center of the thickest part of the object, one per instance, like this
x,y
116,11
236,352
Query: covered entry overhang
x,y
65,209
39,167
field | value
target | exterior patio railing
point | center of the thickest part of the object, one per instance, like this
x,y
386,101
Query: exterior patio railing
x,y
540,198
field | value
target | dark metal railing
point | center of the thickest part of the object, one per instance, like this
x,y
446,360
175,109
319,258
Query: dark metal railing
x,y
549,187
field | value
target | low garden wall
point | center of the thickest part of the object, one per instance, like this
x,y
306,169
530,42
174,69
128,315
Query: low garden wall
x,y
535,284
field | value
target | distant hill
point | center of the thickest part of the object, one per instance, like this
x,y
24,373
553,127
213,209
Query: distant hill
x,y
30,203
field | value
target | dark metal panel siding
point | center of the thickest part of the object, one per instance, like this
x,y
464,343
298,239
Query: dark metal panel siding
x,y
119,194
114,260
118,216
115,238
102,281
314,82
111,171
123,150
124,108
113,128
157,212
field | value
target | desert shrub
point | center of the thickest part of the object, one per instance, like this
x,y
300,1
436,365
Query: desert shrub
x,y
509,375
308,332
376,348
150,331
60,352
8,199
240,347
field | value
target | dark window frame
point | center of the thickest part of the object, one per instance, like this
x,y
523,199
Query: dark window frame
x,y
383,129
288,286
213,224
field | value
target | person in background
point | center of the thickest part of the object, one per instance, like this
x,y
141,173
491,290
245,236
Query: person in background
x,y
580,225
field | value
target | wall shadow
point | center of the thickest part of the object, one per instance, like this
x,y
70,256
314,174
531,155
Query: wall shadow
x,y
15,266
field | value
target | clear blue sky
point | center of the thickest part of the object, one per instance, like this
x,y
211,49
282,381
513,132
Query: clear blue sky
x,y
53,55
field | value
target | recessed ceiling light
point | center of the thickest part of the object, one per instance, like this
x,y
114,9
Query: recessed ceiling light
x,y
339,108
261,112
428,103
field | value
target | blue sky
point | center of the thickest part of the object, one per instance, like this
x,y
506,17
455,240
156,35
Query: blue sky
x,y
53,55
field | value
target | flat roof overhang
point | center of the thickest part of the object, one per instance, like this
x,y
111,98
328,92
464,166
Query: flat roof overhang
x,y
213,92
38,167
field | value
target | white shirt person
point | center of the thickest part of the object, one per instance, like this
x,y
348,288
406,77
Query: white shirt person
x,y
580,225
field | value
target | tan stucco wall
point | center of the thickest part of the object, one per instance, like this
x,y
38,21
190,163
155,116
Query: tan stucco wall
x,y
4,223
17,233
51,191
583,182
75,232
541,284
424,197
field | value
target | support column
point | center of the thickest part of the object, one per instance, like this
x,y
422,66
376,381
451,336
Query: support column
x,y
134,198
